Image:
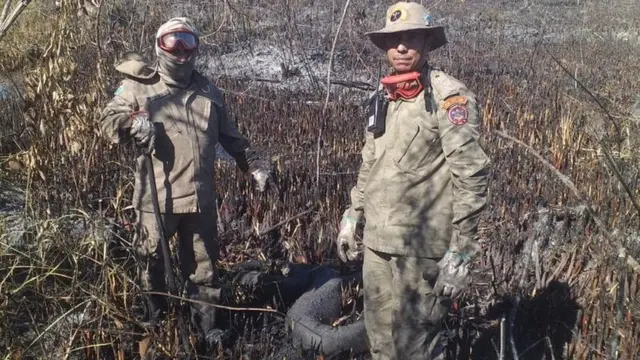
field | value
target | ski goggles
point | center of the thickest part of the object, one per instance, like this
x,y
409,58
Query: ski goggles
x,y
178,40
404,86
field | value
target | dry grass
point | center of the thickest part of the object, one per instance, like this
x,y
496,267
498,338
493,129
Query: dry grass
x,y
56,263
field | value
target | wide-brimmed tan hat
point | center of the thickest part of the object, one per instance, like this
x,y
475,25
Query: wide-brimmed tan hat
x,y
406,16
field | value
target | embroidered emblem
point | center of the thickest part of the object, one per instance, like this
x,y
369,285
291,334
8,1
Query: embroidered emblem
x,y
458,115
427,19
454,100
395,16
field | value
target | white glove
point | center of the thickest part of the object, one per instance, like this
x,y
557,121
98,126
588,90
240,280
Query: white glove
x,y
261,176
346,243
454,275
142,130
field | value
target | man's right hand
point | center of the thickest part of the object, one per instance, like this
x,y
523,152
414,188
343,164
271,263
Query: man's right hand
x,y
142,130
346,243
454,276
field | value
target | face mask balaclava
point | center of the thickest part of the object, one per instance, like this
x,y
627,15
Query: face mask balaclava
x,y
171,69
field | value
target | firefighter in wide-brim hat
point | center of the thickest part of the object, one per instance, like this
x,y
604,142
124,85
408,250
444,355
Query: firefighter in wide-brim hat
x,y
422,186
409,17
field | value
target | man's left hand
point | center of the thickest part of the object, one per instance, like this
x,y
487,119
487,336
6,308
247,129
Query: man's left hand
x,y
454,275
261,176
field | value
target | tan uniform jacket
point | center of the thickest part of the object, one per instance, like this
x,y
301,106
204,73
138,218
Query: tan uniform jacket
x,y
422,184
188,125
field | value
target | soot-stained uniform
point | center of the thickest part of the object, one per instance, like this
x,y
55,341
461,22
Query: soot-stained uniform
x,y
422,187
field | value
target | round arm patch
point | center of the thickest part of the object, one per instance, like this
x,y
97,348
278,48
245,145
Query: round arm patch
x,y
457,112
458,115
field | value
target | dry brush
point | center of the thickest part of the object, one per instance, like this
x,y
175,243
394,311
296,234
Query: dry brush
x,y
545,256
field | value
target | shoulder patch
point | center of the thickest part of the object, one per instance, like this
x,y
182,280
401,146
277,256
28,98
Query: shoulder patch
x,y
458,115
454,100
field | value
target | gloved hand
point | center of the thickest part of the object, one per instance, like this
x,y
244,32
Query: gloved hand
x,y
346,242
261,176
454,274
142,130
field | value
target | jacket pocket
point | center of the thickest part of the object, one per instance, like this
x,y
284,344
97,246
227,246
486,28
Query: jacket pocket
x,y
417,147
200,113
405,141
166,115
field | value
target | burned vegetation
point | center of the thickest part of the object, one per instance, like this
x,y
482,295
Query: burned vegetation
x,y
557,278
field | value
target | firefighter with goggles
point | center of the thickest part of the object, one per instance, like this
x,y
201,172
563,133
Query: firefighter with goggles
x,y
422,187
177,115
179,44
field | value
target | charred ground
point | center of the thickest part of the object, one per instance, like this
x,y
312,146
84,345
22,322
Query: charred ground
x,y
549,273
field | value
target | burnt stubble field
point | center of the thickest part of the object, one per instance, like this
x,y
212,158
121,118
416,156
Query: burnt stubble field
x,y
558,81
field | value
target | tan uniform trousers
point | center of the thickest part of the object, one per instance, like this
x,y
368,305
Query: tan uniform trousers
x,y
198,251
403,317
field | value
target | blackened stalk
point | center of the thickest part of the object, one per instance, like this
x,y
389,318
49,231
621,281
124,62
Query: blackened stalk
x,y
619,307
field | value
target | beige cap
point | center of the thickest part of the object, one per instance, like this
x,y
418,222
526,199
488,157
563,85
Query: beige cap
x,y
405,16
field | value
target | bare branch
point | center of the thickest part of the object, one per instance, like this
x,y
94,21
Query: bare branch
x,y
512,320
631,262
503,338
283,222
619,308
333,48
326,100
7,21
5,11
231,308
562,177
605,148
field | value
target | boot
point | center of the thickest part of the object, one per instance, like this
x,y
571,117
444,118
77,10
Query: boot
x,y
217,337
155,307
204,317
439,347
211,337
